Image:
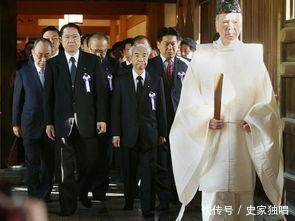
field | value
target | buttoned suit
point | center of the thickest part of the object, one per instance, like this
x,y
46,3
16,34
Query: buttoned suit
x,y
172,89
28,114
73,110
139,123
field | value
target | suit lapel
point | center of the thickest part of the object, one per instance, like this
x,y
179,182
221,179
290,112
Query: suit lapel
x,y
81,69
36,76
146,87
131,88
64,70
161,66
176,67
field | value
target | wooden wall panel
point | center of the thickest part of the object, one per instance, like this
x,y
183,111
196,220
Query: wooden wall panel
x,y
7,70
81,7
35,31
135,20
188,18
290,194
290,53
123,27
290,154
287,93
207,23
155,21
261,21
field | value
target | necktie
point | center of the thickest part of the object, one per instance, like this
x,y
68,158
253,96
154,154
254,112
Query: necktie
x,y
73,70
41,75
169,69
139,88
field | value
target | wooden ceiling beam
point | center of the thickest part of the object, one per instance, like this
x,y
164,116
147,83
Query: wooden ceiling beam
x,y
85,16
135,20
35,31
94,8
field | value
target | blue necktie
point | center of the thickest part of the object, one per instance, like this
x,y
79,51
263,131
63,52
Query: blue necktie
x,y
73,70
41,76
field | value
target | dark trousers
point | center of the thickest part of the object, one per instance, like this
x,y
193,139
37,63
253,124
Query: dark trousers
x,y
166,189
39,161
77,154
104,156
140,162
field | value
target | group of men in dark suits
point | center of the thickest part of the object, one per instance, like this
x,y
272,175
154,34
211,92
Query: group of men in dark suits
x,y
90,103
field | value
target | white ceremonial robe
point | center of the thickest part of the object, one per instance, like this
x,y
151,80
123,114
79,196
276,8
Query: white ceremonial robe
x,y
227,206
226,160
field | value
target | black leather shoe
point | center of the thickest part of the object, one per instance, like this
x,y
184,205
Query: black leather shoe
x,y
86,202
64,213
101,197
162,207
176,202
128,206
147,214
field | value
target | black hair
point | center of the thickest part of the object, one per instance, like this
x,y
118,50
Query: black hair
x,y
29,43
85,37
70,25
167,31
118,45
128,41
190,42
50,28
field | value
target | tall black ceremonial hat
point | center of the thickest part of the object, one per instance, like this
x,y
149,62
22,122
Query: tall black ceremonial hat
x,y
227,6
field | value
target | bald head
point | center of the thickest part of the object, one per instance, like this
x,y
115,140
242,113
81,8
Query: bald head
x,y
98,44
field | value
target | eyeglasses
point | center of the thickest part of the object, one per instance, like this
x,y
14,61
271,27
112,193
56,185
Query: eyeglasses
x,y
98,51
167,43
68,37
53,38
40,56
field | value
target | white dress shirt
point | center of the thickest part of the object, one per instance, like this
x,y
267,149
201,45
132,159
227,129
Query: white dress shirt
x,y
40,72
135,75
68,57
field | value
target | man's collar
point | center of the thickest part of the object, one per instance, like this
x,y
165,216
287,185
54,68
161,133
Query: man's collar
x,y
164,59
234,44
37,67
76,56
55,54
135,75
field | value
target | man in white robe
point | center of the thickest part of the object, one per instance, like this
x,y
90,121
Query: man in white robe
x,y
220,157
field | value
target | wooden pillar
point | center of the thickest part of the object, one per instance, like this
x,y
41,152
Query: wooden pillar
x,y
123,27
113,32
207,23
188,19
260,25
155,21
7,69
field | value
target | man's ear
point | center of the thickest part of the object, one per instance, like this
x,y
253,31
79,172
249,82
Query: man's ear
x,y
158,44
216,25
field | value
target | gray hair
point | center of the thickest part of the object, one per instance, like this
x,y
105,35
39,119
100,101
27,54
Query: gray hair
x,y
97,35
146,47
43,40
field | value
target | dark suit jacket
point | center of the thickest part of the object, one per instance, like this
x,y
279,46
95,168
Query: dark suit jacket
x,y
27,109
61,101
110,66
130,120
172,89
